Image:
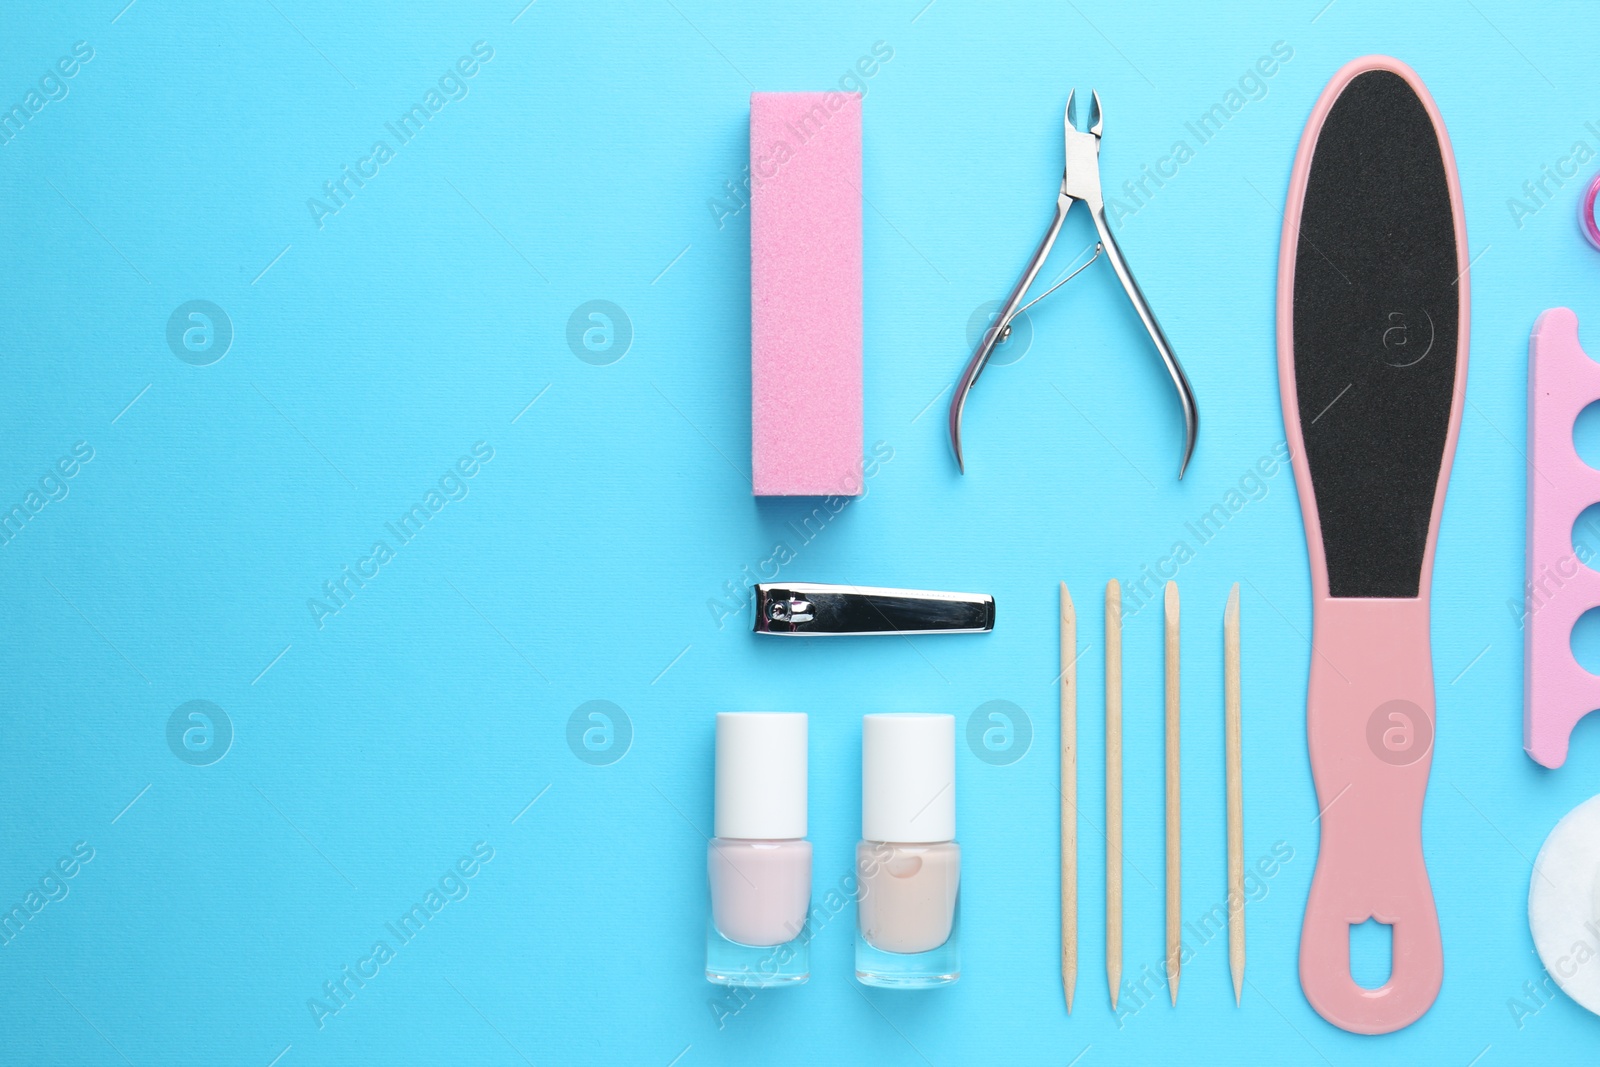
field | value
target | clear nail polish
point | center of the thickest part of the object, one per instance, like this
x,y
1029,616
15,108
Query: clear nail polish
x,y
908,864
759,863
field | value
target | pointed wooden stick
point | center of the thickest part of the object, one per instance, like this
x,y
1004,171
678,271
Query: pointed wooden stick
x,y
1069,796
1114,788
1235,761
1174,802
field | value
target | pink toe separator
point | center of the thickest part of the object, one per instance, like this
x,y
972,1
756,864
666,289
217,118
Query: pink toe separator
x,y
1557,692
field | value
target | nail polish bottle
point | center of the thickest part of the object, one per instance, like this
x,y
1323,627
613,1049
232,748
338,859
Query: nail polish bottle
x,y
759,862
908,864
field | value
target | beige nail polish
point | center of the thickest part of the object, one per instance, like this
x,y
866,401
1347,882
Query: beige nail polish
x,y
908,863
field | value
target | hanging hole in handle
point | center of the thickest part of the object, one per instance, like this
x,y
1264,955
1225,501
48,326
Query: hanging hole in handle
x,y
1371,953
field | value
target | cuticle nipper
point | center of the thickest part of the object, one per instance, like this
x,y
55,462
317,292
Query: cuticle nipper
x,y
1080,180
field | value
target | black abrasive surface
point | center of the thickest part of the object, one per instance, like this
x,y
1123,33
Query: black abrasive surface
x,y
1375,329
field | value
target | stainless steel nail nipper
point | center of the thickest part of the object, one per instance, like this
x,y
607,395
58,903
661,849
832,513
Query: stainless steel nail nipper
x,y
1080,180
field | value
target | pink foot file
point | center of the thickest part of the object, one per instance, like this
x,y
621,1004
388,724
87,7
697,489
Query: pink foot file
x,y
1372,368
805,294
1557,692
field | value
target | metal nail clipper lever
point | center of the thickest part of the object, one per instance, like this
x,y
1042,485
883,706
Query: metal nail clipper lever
x,y
1080,180
809,609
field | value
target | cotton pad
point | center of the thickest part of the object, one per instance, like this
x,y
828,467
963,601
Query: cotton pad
x,y
805,294
1564,904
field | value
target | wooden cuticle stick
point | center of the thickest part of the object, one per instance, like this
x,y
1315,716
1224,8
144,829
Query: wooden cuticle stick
x,y
1114,789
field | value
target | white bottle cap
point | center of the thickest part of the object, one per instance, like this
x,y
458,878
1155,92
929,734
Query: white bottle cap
x,y
761,775
908,778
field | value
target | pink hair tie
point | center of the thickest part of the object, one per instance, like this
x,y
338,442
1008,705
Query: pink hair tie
x,y
1586,213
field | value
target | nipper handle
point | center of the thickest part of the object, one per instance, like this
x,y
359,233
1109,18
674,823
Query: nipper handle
x,y
992,336
1191,411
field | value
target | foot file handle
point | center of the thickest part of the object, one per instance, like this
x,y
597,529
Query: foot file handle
x,y
1370,727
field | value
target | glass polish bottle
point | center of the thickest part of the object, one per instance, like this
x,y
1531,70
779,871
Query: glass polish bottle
x,y
908,864
759,862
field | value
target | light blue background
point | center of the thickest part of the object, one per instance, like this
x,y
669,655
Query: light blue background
x,y
370,754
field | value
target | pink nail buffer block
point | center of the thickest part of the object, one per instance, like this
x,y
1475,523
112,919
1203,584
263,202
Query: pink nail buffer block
x,y
805,294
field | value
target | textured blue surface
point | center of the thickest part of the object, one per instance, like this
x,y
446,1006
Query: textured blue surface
x,y
585,561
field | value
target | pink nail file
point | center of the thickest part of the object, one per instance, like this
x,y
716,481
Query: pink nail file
x,y
1557,692
1372,365
805,294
